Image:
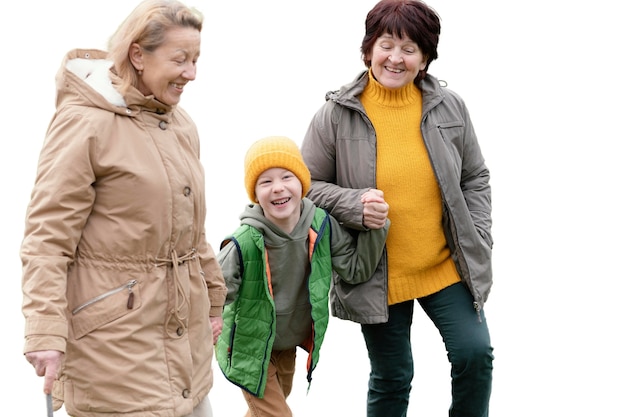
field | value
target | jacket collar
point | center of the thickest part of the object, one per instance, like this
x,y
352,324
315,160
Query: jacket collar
x,y
432,93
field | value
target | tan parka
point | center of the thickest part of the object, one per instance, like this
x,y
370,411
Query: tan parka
x,y
117,272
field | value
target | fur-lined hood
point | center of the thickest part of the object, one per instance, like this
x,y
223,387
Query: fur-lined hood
x,y
86,78
95,72
91,67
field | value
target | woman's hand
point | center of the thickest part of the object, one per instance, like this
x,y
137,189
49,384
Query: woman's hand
x,y
47,364
375,209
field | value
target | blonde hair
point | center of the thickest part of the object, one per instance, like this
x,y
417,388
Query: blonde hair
x,y
147,25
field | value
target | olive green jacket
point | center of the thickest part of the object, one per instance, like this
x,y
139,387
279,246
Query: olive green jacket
x,y
341,130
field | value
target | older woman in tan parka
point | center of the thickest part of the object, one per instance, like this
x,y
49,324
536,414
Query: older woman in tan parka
x,y
122,293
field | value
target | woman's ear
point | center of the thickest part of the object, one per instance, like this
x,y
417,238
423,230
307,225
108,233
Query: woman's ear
x,y
135,54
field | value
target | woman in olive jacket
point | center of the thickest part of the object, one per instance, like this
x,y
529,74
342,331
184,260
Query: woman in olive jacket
x,y
341,127
396,129
122,293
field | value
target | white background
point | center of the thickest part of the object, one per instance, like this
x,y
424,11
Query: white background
x,y
544,81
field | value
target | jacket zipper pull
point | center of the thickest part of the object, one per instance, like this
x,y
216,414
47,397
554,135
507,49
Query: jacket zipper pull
x,y
131,297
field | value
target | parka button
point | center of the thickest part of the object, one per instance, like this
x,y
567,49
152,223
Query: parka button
x,y
186,393
186,191
180,331
163,124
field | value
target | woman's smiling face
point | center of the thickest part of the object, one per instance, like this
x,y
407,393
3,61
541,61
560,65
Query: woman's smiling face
x,y
166,70
396,61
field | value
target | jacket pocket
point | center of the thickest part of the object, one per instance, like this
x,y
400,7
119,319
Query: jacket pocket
x,y
106,307
452,133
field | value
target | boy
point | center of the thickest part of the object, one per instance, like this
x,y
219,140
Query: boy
x,y
278,267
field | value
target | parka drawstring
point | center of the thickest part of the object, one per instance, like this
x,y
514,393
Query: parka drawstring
x,y
179,292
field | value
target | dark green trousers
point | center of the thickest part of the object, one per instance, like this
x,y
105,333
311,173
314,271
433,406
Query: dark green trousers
x,y
467,341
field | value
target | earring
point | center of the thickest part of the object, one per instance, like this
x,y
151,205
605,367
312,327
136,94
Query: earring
x,y
139,72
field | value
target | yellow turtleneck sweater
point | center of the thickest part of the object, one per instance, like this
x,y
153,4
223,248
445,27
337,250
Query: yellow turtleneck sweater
x,y
419,258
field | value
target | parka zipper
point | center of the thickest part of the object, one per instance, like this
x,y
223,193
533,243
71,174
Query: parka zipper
x,y
129,304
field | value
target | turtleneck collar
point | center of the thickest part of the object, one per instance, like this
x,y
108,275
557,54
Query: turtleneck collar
x,y
400,97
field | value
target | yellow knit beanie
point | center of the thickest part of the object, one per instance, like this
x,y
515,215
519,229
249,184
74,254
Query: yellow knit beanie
x,y
274,152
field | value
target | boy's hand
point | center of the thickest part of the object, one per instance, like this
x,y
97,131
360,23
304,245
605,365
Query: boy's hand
x,y
375,209
216,325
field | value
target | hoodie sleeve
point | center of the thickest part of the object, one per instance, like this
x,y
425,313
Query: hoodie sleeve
x,y
355,255
228,258
213,277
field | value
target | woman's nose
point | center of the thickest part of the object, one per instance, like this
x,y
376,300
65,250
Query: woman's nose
x,y
190,72
395,58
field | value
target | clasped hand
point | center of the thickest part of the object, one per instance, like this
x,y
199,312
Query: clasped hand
x,y
375,209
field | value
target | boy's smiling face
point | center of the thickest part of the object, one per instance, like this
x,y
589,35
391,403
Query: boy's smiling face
x,y
279,192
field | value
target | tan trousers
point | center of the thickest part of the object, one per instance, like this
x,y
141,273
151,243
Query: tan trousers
x,y
279,382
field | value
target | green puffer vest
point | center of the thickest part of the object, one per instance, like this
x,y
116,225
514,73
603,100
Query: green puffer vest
x,y
245,345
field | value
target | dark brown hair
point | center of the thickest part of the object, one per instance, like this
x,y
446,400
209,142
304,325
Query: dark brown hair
x,y
412,18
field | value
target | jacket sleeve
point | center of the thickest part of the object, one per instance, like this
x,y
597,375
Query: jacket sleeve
x,y
319,150
213,277
475,179
355,255
61,201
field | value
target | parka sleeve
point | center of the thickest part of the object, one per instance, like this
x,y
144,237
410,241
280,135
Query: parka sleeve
x,y
355,255
61,201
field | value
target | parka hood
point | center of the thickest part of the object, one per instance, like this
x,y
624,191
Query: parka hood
x,y
87,78
95,72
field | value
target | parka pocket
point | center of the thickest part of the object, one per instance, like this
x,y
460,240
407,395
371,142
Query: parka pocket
x,y
105,307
